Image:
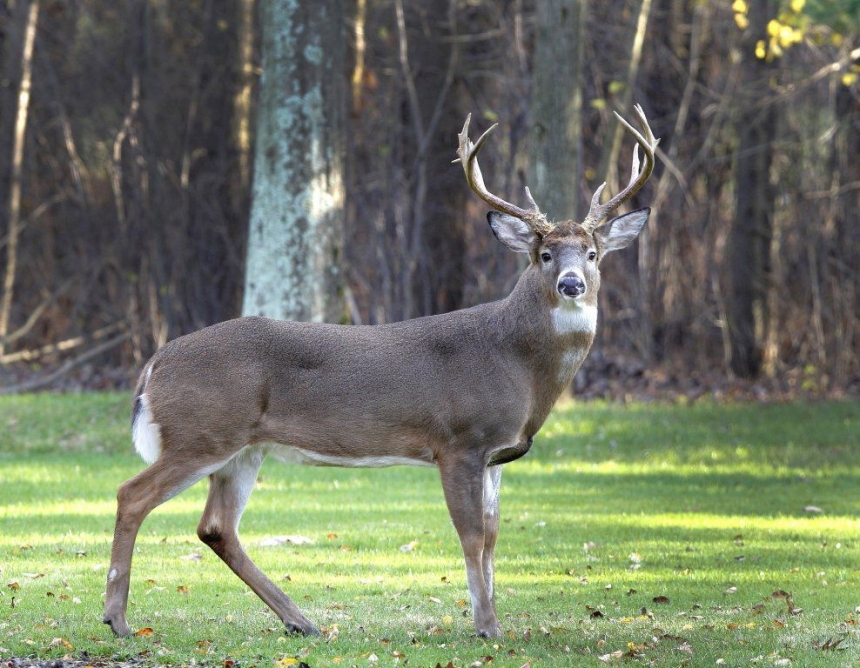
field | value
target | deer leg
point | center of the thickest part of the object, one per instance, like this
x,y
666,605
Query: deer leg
x,y
492,482
136,498
229,490
463,482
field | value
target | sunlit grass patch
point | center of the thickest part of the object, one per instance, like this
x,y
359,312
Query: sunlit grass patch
x,y
631,535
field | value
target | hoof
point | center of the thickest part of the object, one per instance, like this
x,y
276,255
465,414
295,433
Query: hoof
x,y
304,629
494,632
119,627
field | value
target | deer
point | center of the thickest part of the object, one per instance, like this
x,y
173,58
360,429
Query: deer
x,y
465,391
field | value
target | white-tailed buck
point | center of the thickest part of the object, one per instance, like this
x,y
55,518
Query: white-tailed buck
x,y
465,392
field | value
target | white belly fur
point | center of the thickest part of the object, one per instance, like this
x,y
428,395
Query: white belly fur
x,y
293,455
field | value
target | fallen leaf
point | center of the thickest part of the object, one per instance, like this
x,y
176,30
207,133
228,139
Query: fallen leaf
x,y
612,656
661,599
183,589
144,633
685,647
829,644
275,541
815,510
409,546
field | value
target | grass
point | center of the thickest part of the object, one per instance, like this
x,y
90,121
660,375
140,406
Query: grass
x,y
639,535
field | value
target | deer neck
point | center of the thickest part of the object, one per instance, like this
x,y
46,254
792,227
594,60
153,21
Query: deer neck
x,y
555,333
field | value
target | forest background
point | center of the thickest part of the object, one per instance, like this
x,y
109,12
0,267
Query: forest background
x,y
127,157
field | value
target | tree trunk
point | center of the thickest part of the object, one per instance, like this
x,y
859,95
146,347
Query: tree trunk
x,y
296,229
14,203
556,148
752,231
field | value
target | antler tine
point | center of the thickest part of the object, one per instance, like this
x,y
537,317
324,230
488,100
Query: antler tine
x,y
467,153
599,212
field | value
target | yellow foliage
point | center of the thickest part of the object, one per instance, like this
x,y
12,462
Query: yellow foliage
x,y
797,5
760,50
742,21
740,7
789,36
849,78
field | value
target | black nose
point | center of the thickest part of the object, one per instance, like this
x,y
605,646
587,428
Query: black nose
x,y
571,285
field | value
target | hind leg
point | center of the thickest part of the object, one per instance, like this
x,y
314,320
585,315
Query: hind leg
x,y
229,490
136,498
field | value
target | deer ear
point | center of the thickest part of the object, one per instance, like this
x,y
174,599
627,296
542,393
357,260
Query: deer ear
x,y
511,231
621,231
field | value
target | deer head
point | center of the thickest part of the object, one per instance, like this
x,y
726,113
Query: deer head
x,y
568,253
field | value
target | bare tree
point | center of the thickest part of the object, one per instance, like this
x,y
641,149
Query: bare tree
x,y
13,217
555,144
295,235
752,231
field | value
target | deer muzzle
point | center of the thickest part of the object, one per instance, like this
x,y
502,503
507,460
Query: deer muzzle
x,y
571,285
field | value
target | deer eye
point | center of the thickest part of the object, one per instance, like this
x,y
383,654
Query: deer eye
x,y
592,256
546,257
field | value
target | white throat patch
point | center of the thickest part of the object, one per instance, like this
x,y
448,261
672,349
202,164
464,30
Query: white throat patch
x,y
569,317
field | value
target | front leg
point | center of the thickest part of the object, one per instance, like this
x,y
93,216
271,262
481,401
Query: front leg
x,y
463,481
492,483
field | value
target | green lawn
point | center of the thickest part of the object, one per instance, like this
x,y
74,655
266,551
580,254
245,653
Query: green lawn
x,y
632,535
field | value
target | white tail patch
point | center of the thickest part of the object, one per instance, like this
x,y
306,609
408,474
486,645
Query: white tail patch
x,y
146,433
569,317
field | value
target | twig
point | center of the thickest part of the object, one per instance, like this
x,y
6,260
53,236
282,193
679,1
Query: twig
x,y
44,381
33,318
60,346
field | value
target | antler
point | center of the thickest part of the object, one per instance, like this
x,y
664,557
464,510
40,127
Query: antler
x,y
468,157
599,212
